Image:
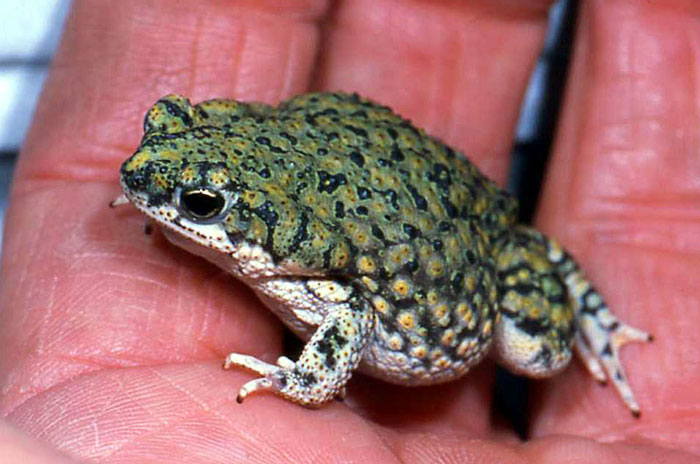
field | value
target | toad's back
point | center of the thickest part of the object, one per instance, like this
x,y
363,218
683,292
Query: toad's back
x,y
415,219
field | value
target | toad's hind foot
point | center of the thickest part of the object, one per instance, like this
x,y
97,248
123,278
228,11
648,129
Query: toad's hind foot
x,y
600,334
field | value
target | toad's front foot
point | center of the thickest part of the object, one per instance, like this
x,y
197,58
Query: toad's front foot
x,y
325,364
285,379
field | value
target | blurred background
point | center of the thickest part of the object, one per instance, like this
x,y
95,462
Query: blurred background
x,y
28,38
30,32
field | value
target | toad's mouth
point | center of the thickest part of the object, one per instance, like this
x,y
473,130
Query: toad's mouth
x,y
177,228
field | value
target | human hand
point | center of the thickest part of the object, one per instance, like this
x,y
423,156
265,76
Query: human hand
x,y
112,341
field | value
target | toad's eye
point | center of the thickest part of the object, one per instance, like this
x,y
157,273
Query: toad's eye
x,y
201,204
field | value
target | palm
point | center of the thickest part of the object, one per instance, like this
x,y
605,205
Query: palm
x,y
112,340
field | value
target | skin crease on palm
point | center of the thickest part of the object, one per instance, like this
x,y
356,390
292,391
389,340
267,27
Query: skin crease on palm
x,y
112,341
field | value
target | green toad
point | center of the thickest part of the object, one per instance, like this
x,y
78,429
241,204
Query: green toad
x,y
383,248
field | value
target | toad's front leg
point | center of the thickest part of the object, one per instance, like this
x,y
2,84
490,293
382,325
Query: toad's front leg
x,y
325,364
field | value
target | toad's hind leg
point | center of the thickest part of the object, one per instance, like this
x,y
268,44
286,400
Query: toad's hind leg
x,y
325,364
535,332
579,315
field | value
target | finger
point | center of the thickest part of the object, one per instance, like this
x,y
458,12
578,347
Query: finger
x,y
622,194
458,69
82,287
16,447
554,450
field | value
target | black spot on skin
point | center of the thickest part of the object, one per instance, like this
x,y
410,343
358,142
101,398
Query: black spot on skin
x,y
264,173
322,151
449,152
330,182
532,327
324,348
420,202
290,137
243,210
302,233
470,256
440,175
267,213
203,114
363,193
525,289
333,334
177,111
612,327
607,350
357,158
329,345
327,258
310,120
385,163
301,186
361,211
308,379
397,155
392,133
456,282
356,130
544,357
500,203
444,226
450,209
437,245
393,198
201,133
619,376
411,230
377,232
411,266
339,210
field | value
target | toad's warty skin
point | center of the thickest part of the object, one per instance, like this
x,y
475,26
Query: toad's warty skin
x,y
383,248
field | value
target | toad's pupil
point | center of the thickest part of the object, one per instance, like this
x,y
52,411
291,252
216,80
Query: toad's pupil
x,y
202,204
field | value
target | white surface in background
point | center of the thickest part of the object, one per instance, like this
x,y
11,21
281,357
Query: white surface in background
x,y
30,28
29,32
19,90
